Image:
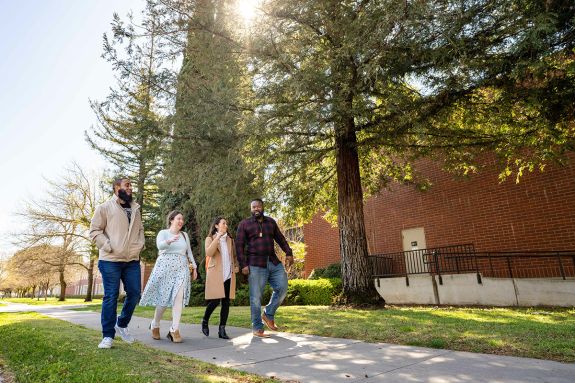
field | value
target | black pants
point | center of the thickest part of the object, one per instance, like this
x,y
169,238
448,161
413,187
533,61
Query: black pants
x,y
213,303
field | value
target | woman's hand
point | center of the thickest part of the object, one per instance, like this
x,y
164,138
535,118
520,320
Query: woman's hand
x,y
194,272
173,239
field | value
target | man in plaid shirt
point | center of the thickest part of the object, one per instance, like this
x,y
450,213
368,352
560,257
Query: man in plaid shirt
x,y
256,255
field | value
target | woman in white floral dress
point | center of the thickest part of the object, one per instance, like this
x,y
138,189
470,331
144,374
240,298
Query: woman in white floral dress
x,y
169,283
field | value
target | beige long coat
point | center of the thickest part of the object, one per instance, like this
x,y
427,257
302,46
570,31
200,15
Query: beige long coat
x,y
214,268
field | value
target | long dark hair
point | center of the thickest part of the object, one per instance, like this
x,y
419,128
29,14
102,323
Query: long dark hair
x,y
171,216
213,229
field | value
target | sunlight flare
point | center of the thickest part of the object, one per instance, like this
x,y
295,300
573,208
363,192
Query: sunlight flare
x,y
248,9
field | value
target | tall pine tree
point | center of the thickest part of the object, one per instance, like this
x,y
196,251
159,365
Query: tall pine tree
x,y
132,134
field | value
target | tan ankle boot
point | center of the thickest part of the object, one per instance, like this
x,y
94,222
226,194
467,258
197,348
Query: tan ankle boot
x,y
175,336
155,332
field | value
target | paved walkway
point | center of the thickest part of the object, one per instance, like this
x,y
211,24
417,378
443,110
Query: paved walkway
x,y
314,359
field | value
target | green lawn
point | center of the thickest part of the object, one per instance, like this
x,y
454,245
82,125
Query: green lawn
x,y
535,333
40,349
52,301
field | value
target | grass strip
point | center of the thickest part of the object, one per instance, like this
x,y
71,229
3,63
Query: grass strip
x,y
52,301
41,349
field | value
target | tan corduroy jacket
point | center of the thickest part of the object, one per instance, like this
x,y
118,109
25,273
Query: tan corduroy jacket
x,y
118,240
215,271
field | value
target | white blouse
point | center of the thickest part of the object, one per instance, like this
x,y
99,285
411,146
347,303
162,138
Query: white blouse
x,y
226,264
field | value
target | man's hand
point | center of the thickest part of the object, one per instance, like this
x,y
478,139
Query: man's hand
x,y
289,261
246,270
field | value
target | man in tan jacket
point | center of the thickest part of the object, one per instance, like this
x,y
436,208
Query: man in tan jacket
x,y
117,229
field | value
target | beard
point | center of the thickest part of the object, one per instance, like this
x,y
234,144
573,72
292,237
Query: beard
x,y
257,214
124,196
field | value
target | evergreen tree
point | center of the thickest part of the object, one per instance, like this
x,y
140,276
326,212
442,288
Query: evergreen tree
x,y
206,164
349,93
132,134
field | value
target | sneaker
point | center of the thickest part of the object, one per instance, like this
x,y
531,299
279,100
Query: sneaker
x,y
106,343
260,334
124,334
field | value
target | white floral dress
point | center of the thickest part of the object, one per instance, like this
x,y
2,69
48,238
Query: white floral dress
x,y
170,271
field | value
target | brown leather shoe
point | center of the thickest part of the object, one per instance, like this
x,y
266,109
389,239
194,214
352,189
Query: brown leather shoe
x,y
260,334
175,336
269,322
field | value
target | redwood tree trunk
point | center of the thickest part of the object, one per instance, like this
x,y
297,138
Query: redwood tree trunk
x,y
357,286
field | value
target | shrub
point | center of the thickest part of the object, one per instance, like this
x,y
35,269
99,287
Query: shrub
x,y
242,296
299,251
331,271
313,292
300,292
197,297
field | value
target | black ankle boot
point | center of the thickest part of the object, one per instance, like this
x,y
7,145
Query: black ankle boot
x,y
222,333
205,328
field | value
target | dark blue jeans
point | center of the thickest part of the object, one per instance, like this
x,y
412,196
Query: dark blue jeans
x,y
112,273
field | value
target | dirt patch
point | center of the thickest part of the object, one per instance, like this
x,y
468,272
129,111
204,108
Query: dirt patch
x,y
5,376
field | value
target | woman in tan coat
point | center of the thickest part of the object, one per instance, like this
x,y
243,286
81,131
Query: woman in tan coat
x,y
221,269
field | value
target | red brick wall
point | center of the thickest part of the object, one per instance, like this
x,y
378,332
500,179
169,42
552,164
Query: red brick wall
x,y
146,272
74,287
322,244
536,214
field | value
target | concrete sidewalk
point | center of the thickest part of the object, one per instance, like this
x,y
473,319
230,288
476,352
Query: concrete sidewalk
x,y
314,359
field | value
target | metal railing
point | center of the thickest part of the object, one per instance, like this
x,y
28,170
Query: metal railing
x,y
460,259
417,261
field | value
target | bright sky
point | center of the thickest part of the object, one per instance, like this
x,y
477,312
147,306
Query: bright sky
x,y
50,66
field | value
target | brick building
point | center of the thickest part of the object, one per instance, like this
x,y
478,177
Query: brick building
x,y
538,214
